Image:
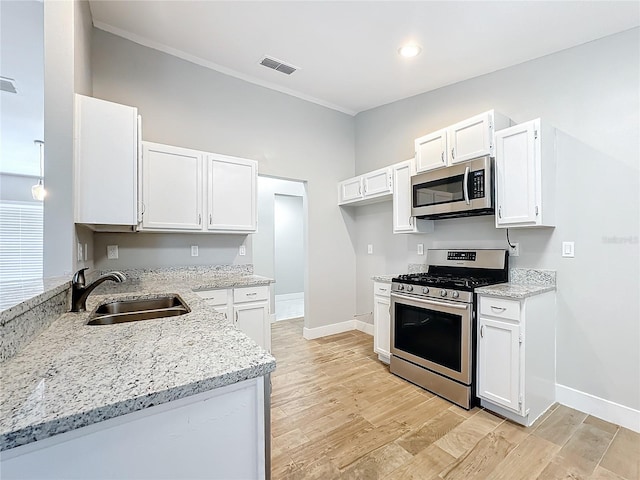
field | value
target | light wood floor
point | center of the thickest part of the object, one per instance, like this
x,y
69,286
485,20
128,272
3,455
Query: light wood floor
x,y
337,412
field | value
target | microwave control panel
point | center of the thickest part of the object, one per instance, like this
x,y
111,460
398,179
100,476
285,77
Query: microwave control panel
x,y
476,189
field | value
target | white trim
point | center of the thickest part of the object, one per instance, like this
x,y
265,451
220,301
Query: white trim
x,y
599,407
334,328
140,40
364,327
272,318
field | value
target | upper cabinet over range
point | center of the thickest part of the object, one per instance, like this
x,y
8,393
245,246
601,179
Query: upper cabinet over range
x,y
106,139
465,140
367,188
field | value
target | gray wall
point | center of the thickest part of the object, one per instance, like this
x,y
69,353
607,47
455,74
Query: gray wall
x,y
17,188
590,94
187,105
289,244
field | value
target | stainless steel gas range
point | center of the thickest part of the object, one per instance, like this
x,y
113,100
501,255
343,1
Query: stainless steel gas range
x,y
433,320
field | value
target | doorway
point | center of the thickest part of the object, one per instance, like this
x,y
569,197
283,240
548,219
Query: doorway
x,y
279,246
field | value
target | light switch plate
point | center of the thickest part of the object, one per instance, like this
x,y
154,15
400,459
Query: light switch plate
x,y
568,249
243,250
370,249
80,255
515,250
421,249
194,250
112,252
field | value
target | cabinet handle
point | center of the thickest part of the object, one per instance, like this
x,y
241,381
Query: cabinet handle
x,y
411,221
536,210
453,154
251,294
500,212
442,156
199,219
383,289
210,219
482,331
365,189
236,317
498,309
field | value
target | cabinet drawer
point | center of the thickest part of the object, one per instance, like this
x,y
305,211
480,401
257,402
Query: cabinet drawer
x,y
214,297
250,294
500,307
383,289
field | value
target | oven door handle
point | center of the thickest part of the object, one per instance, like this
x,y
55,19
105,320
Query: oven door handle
x,y
433,302
465,184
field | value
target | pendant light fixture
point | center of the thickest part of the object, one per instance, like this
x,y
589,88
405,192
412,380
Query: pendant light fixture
x,y
37,191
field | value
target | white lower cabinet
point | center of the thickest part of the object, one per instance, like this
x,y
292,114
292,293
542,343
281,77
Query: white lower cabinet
x,y
222,433
246,307
382,320
516,356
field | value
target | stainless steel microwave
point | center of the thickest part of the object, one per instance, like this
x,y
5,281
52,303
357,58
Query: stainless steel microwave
x,y
460,190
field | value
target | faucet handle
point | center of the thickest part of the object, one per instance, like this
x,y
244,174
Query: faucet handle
x,y
78,277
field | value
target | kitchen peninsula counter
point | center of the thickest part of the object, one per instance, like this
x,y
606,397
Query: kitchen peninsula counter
x,y
73,375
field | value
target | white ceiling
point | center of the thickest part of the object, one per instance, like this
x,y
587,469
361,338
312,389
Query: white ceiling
x,y
347,51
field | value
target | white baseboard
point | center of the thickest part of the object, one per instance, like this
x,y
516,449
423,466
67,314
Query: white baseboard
x,y
326,330
599,407
272,317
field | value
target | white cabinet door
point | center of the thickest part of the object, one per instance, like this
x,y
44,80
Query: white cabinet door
x,y
253,319
232,194
171,188
516,190
431,151
350,190
105,162
377,182
382,327
471,138
403,222
499,363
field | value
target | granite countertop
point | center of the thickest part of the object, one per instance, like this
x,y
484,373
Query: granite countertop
x,y
73,375
525,282
383,278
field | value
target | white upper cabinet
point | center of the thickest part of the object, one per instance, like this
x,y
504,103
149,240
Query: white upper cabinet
x,y
191,191
431,151
232,194
105,163
171,188
463,141
403,222
525,175
368,188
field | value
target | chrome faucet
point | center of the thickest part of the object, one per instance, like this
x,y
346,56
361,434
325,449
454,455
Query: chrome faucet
x,y
79,292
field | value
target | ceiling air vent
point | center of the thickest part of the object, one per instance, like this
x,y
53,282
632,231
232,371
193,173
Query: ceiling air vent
x,y
277,65
8,85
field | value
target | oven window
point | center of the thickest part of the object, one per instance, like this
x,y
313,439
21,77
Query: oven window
x,y
429,334
445,190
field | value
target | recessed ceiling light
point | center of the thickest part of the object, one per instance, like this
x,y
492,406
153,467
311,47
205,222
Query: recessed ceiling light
x,y
410,50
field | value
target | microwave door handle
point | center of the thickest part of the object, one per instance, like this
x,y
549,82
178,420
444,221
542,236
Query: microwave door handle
x,y
465,185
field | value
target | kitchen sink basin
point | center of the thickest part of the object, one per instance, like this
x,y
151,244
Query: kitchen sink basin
x,y
121,311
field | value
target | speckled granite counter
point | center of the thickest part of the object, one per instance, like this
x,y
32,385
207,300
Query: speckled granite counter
x,y
524,282
383,278
73,375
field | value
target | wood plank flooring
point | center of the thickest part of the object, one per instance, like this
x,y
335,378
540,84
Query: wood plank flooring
x,y
337,413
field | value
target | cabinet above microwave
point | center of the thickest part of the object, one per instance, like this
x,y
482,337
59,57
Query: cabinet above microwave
x,y
461,142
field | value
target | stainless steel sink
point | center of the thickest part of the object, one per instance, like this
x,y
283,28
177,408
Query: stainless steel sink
x,y
140,309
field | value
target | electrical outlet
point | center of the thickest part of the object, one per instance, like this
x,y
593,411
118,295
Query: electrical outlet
x,y
515,250
80,255
194,250
112,252
369,249
420,249
243,250
86,252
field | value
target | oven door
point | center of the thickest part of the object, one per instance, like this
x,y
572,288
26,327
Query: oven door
x,y
434,334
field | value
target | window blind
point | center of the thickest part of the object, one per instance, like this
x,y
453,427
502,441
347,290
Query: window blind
x,y
21,250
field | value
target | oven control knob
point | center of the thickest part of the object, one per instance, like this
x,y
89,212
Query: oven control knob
x,y
425,290
455,294
400,287
409,288
443,293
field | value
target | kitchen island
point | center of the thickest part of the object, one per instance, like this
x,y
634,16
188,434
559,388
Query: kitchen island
x,y
155,398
